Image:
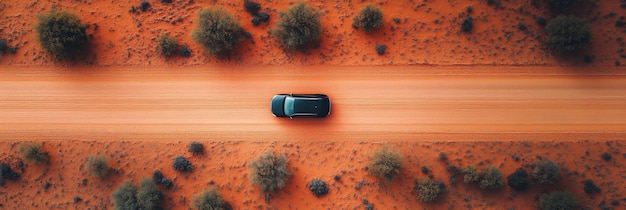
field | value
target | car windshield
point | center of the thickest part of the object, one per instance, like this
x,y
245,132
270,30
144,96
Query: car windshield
x,y
289,101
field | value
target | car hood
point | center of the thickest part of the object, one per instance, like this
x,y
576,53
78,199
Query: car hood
x,y
278,105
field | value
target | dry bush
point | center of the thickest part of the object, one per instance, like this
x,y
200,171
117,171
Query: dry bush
x,y
467,24
166,45
317,187
491,178
561,5
7,173
217,31
125,196
269,171
428,190
568,33
195,148
298,28
385,162
518,180
97,165
32,152
471,174
181,164
61,34
557,201
209,199
545,172
370,18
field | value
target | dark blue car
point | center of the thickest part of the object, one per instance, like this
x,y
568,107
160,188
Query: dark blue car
x,y
300,105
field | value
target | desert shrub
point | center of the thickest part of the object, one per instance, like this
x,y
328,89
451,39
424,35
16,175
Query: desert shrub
x,y
144,5
97,165
125,197
166,45
428,190
3,45
167,183
590,187
467,24
7,173
148,195
442,156
545,171
157,176
370,18
181,164
542,21
385,163
61,34
317,187
605,156
518,180
33,153
195,148
567,33
557,201
491,178
269,171
263,16
251,7
298,28
561,5
471,174
380,49
184,51
166,1
209,199
217,31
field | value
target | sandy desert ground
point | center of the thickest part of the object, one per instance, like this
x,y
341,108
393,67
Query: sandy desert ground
x,y
496,96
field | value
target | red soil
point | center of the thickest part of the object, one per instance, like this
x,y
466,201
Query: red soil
x,y
144,115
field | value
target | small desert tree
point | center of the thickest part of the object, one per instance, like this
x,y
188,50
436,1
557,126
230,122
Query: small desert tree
x,y
97,165
518,180
32,152
166,45
369,19
269,171
181,164
61,34
209,199
471,174
568,33
298,28
428,190
195,148
545,171
148,196
557,201
385,162
318,187
217,31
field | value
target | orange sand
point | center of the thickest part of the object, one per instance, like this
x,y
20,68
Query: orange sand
x,y
125,42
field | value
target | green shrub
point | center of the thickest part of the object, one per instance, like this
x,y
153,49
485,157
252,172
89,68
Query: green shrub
x,y
195,148
148,196
181,164
518,180
269,171
32,152
428,190
124,197
385,163
369,19
318,187
209,199
471,174
491,178
97,165
61,34
217,31
557,201
568,33
298,28
545,171
166,45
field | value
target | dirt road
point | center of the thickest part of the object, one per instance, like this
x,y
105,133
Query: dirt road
x,y
397,103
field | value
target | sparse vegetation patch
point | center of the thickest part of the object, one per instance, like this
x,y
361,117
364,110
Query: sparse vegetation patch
x,y
298,28
428,190
32,152
61,34
370,18
269,172
385,163
217,31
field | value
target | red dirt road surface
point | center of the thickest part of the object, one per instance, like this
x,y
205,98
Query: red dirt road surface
x,y
427,103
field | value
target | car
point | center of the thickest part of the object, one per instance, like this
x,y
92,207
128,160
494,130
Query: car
x,y
300,105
